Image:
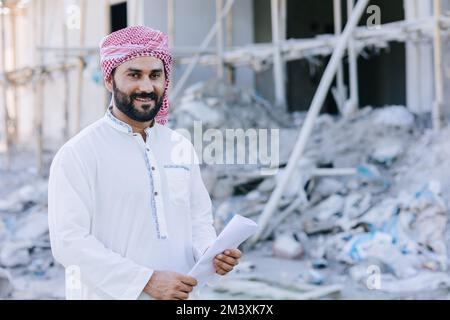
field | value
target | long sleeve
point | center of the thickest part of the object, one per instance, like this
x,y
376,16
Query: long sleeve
x,y
203,232
70,209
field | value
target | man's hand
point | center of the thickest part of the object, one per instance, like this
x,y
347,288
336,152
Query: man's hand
x,y
167,285
226,261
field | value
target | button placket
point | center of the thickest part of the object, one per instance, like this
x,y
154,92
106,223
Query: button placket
x,y
157,193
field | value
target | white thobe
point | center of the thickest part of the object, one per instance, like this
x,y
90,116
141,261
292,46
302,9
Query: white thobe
x,y
121,207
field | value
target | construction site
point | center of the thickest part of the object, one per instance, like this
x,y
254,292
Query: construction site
x,y
355,95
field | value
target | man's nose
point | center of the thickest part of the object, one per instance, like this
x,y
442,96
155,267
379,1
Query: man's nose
x,y
146,85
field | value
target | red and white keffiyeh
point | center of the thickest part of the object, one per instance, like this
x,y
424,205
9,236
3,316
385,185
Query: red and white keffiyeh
x,y
133,42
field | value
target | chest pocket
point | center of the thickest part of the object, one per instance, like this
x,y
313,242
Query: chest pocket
x,y
178,184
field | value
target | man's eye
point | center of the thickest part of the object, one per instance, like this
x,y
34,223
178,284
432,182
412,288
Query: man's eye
x,y
155,75
134,75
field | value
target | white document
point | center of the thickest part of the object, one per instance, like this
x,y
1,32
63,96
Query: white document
x,y
235,232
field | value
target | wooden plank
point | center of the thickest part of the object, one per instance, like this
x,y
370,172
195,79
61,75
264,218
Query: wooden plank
x,y
4,92
231,69
66,101
260,289
278,74
353,102
437,112
79,93
171,22
15,92
340,87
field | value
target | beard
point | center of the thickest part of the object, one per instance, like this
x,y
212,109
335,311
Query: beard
x,y
125,103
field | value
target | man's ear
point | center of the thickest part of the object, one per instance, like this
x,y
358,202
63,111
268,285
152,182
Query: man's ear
x,y
109,81
108,84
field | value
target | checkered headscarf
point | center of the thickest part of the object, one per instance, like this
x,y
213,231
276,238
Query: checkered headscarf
x,y
133,42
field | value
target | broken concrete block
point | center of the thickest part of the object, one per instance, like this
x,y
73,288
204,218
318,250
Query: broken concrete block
x,y
326,187
393,116
387,151
319,264
6,286
288,247
32,226
331,206
14,254
356,204
3,231
315,277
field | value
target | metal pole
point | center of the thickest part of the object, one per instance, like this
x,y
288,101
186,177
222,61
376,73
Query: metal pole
x,y
341,95
353,102
438,78
230,68
107,29
66,77
6,116
219,39
171,22
39,115
79,99
311,116
14,67
278,75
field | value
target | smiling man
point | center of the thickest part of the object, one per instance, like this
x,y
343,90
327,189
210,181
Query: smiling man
x,y
127,218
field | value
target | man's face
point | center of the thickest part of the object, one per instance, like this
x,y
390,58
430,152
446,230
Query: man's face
x,y
138,88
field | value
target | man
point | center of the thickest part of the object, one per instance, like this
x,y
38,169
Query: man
x,y
126,216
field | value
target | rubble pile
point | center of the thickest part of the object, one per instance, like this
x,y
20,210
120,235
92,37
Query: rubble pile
x,y
27,268
390,213
369,197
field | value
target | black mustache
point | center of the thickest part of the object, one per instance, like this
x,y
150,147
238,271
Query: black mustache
x,y
143,95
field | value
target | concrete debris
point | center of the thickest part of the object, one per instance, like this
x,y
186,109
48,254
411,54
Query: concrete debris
x,y
329,208
391,214
386,151
15,254
389,218
315,277
394,116
326,187
29,271
219,105
287,246
24,198
425,281
320,263
32,227
5,284
245,267
257,289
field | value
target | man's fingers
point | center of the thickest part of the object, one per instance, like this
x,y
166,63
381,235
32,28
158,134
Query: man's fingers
x,y
188,280
235,253
229,260
185,288
221,272
223,265
181,295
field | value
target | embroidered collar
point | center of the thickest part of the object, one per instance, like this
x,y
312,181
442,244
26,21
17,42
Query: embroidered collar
x,y
120,125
